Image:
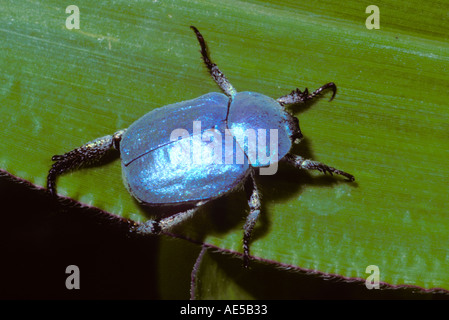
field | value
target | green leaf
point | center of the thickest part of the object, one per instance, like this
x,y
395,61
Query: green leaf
x,y
388,124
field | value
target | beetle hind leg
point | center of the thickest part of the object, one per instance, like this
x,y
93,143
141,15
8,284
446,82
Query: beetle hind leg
x,y
302,163
165,224
89,153
216,74
254,204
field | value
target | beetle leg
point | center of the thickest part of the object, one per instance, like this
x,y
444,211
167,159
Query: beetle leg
x,y
158,226
302,163
216,74
254,207
195,271
297,96
89,153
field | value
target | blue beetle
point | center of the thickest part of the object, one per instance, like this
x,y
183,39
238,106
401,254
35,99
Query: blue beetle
x,y
157,150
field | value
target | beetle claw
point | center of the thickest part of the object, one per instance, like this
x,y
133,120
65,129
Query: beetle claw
x,y
57,157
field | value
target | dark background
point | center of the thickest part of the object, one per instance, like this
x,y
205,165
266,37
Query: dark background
x,y
40,237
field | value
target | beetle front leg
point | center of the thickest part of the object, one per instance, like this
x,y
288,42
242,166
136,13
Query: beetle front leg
x,y
302,163
254,204
216,74
89,153
297,96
